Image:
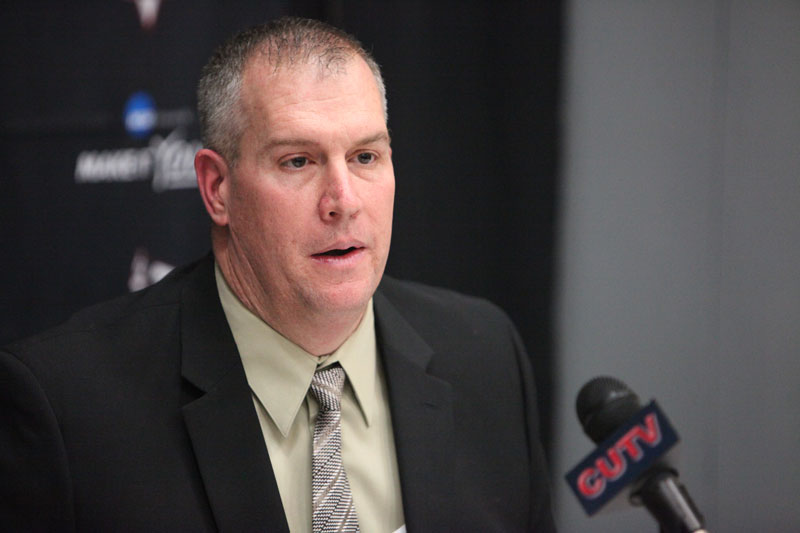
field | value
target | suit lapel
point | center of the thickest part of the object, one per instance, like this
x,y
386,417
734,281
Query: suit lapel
x,y
227,439
222,424
422,418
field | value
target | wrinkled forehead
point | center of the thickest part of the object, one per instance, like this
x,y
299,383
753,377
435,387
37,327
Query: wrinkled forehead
x,y
262,76
303,101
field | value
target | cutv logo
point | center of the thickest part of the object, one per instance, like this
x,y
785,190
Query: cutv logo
x,y
592,480
618,461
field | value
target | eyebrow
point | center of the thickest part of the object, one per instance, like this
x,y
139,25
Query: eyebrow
x,y
380,136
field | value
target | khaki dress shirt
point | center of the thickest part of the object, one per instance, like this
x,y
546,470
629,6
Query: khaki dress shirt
x,y
279,374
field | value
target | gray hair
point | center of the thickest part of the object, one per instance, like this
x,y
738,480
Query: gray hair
x,y
289,40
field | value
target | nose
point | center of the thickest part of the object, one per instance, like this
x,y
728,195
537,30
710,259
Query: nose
x,y
340,199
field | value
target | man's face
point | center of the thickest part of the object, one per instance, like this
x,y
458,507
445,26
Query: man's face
x,y
312,193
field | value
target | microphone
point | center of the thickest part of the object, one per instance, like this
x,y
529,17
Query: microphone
x,y
632,442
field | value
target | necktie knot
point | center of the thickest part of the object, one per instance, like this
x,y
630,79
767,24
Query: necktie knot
x,y
326,386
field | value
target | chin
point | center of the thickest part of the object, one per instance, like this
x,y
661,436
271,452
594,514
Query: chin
x,y
346,297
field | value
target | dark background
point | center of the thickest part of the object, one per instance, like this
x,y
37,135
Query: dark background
x,y
472,90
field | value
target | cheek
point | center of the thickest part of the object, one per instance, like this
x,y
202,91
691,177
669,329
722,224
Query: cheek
x,y
260,216
387,203
380,195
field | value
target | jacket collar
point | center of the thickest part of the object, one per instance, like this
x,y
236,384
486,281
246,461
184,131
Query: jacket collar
x,y
228,443
422,418
222,423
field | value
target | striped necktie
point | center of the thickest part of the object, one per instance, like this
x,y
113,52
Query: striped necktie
x,y
333,508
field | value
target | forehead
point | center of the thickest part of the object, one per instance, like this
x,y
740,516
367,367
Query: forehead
x,y
267,88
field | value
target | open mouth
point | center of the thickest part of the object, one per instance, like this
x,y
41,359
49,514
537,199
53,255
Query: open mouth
x,y
337,252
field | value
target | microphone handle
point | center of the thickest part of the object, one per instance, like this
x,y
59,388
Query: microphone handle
x,y
669,503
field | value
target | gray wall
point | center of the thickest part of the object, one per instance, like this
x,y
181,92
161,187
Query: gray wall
x,y
680,244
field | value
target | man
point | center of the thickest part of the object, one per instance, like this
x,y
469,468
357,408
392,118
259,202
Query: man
x,y
186,407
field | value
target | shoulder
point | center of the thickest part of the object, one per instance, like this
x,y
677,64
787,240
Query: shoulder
x,y
132,319
438,314
413,298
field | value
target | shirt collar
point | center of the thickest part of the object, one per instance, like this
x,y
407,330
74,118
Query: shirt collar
x,y
279,372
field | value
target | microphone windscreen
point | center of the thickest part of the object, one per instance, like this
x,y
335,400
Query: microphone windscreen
x,y
603,405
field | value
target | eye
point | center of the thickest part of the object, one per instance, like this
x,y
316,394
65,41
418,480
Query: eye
x,y
365,158
296,162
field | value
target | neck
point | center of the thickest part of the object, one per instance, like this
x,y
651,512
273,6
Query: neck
x,y
318,333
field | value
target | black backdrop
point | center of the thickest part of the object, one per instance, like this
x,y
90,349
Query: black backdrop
x,y
90,208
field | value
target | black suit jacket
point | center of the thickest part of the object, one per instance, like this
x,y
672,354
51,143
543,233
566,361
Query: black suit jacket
x,y
136,415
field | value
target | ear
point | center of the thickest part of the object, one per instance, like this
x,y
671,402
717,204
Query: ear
x,y
213,180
